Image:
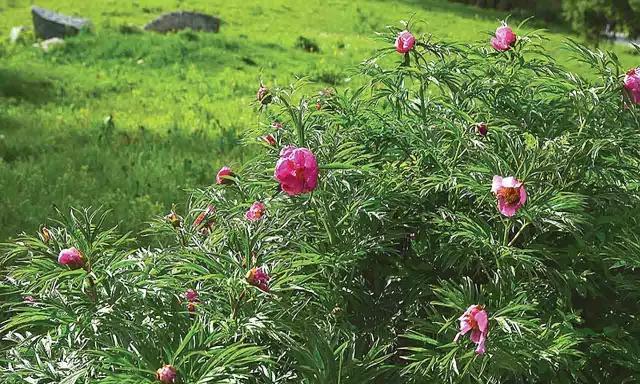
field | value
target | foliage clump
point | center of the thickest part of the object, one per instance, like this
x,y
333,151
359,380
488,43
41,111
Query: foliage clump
x,y
403,224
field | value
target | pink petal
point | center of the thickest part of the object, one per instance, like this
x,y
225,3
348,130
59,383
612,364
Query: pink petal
x,y
495,186
511,182
482,320
480,349
507,209
475,336
523,196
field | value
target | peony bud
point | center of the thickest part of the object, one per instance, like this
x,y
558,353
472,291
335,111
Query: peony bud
x,y
269,139
632,84
404,42
482,129
191,295
504,38
167,374
224,176
264,95
71,257
259,277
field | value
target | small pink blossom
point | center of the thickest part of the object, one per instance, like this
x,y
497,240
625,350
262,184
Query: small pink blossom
x,y
259,277
504,38
511,194
296,170
29,299
475,320
632,84
191,295
167,374
256,211
276,125
71,257
224,176
404,42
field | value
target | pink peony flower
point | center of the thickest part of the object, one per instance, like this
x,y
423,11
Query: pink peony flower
x,y
632,84
259,277
269,139
191,295
510,193
296,170
224,176
482,129
167,374
504,38
256,211
404,42
264,95
475,320
71,257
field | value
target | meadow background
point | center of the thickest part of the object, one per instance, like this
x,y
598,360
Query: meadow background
x,y
180,104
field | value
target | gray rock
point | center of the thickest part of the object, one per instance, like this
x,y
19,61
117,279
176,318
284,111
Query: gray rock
x,y
176,21
48,24
16,34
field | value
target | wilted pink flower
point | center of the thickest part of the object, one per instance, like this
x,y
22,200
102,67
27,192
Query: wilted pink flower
x,y
482,129
174,219
191,295
204,217
269,139
255,212
191,306
510,193
277,125
296,170
224,176
404,42
504,38
45,234
632,84
259,277
71,257
167,374
475,320
264,95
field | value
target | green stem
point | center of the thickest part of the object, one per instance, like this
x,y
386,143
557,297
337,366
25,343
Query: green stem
x,y
517,234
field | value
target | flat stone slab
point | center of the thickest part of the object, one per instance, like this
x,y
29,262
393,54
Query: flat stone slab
x,y
177,21
48,24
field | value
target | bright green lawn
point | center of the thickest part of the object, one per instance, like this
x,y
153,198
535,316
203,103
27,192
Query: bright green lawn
x,y
180,102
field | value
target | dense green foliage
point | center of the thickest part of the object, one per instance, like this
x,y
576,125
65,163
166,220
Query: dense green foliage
x,y
181,102
593,17
371,270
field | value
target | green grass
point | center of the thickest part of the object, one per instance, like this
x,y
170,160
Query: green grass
x,y
181,102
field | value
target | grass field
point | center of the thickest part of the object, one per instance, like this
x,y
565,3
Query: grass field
x,y
180,103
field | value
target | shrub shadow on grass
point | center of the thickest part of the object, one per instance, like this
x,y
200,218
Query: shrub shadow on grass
x,y
136,173
25,86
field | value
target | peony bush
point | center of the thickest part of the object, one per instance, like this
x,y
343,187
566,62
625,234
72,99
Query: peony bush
x,y
468,215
